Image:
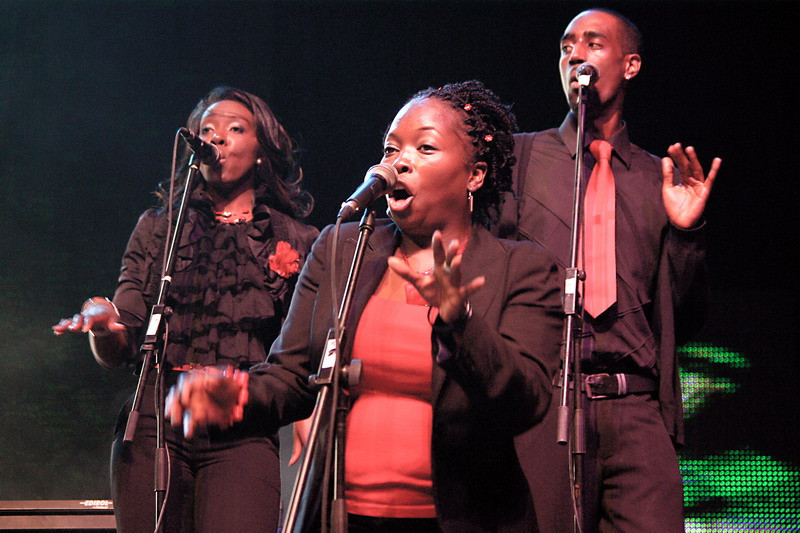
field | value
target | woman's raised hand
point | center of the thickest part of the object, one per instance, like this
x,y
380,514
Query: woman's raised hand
x,y
97,314
443,289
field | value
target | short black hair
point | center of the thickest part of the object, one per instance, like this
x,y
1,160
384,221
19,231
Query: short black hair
x,y
632,37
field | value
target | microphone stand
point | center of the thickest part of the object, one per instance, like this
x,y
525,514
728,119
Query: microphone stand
x,y
325,445
574,418
151,351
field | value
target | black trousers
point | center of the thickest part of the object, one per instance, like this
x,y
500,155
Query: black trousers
x,y
220,481
372,524
632,482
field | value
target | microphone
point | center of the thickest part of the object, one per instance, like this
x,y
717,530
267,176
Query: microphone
x,y
380,180
587,73
204,151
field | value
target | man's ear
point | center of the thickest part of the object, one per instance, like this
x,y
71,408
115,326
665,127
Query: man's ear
x,y
633,63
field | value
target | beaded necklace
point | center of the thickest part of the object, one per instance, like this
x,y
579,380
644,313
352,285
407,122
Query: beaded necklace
x,y
229,217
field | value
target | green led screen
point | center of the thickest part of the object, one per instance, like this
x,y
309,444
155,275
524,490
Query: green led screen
x,y
735,489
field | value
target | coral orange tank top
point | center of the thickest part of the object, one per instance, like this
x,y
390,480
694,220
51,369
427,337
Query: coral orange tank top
x,y
388,447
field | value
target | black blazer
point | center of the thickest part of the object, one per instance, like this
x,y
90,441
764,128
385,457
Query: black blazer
x,y
662,280
490,377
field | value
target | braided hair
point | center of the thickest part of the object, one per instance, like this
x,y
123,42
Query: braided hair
x,y
492,125
277,180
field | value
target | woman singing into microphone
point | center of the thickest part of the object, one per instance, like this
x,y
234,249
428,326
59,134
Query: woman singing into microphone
x,y
240,253
457,332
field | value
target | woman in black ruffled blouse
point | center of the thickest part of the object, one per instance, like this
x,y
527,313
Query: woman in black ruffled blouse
x,y
235,270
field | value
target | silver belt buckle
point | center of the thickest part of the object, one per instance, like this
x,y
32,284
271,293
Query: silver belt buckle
x,y
592,379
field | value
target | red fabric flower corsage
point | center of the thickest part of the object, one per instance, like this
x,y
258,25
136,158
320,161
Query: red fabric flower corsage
x,y
285,261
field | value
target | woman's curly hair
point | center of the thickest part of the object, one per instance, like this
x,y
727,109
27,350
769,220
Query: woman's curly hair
x,y
277,181
492,125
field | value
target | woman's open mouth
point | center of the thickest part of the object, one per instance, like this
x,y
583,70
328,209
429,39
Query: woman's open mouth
x,y
399,199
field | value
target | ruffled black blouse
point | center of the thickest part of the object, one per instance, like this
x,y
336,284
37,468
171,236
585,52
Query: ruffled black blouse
x,y
227,304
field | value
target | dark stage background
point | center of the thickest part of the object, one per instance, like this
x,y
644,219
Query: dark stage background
x,y
91,94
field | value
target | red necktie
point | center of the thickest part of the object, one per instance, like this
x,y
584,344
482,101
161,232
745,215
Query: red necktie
x,y
600,263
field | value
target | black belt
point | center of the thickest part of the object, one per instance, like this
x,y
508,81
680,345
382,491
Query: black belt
x,y
602,386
